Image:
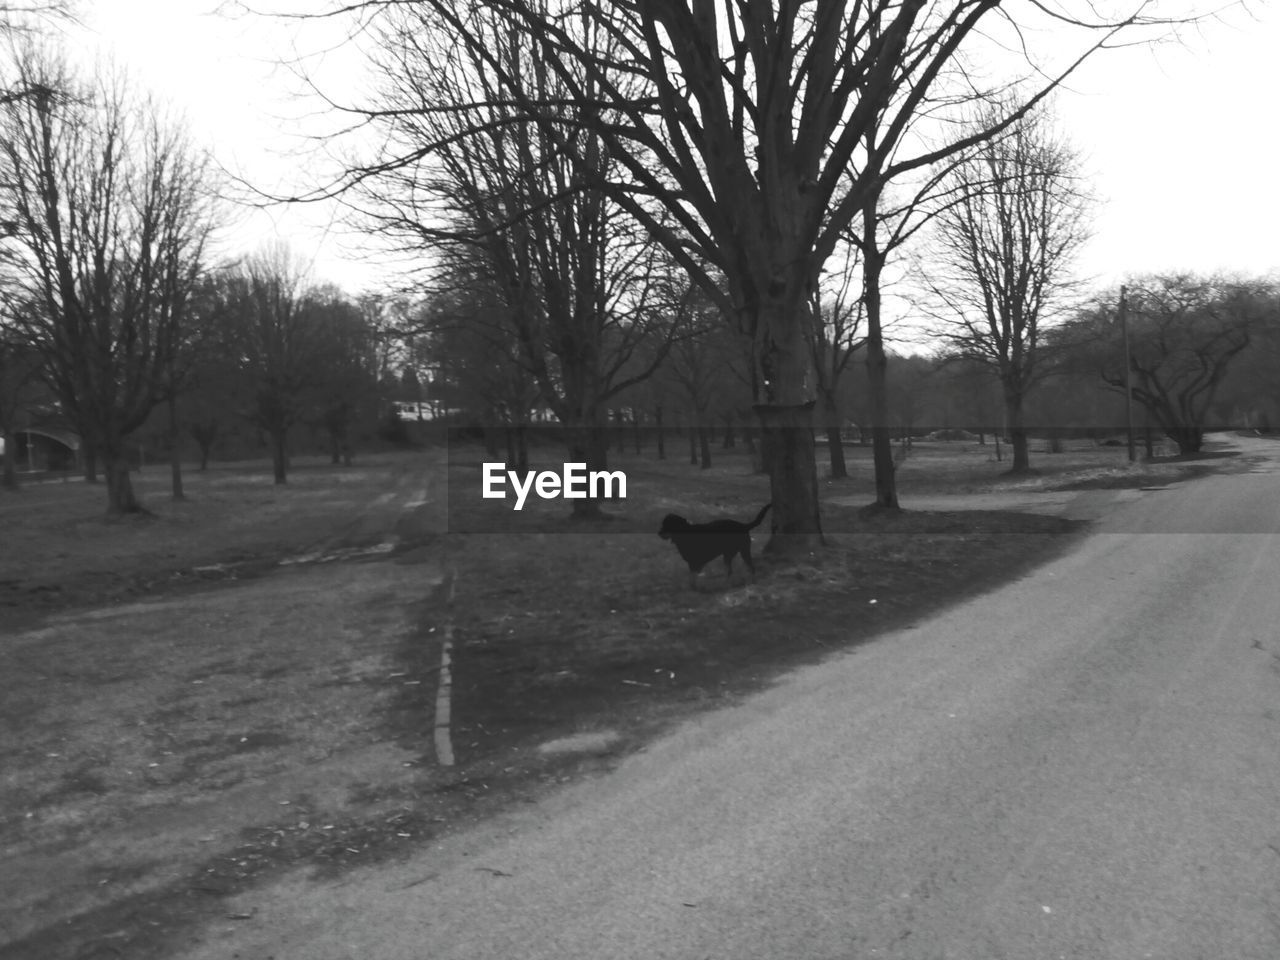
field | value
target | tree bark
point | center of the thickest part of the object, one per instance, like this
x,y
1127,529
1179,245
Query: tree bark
x,y
783,372
877,364
657,423
1188,439
881,439
786,440
704,446
121,499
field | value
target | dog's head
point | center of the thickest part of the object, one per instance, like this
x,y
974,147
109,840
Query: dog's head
x,y
672,524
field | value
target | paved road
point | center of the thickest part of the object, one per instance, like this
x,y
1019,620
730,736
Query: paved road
x,y
1083,764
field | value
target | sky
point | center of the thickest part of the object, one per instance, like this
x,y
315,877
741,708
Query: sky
x,y
1182,141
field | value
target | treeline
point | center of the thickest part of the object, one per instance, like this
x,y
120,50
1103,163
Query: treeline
x,y
617,230
257,361
643,208
121,331
1204,354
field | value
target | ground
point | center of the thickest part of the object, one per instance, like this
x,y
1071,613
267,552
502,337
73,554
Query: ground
x,y
248,682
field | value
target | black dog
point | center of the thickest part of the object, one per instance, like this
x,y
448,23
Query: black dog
x,y
700,543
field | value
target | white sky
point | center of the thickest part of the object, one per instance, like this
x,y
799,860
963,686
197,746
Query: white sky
x,y
1182,141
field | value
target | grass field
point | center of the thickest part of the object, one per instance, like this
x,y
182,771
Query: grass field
x,y
246,682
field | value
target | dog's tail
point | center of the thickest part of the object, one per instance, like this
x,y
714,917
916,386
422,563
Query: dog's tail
x,y
759,516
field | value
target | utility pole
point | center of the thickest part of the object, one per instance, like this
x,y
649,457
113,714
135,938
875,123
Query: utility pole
x,y
1128,376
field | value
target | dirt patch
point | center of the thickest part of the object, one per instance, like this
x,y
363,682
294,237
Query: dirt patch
x,y
155,733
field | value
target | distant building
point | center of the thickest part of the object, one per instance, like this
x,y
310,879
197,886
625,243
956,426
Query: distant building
x,y
423,411
38,448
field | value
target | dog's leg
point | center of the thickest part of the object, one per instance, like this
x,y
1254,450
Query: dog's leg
x,y
746,558
693,580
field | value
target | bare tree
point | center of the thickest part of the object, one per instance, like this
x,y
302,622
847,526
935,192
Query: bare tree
x,y
744,123
696,363
19,362
837,334
110,217
344,379
277,340
574,275
1002,253
25,18
1184,333
738,128
480,367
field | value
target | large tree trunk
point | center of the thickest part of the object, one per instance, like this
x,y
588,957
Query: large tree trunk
x,y
657,424
786,440
782,373
877,364
1017,434
704,445
881,438
120,496
90,462
1188,439
835,454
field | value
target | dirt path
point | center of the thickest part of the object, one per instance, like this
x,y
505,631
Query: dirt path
x,y
241,715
